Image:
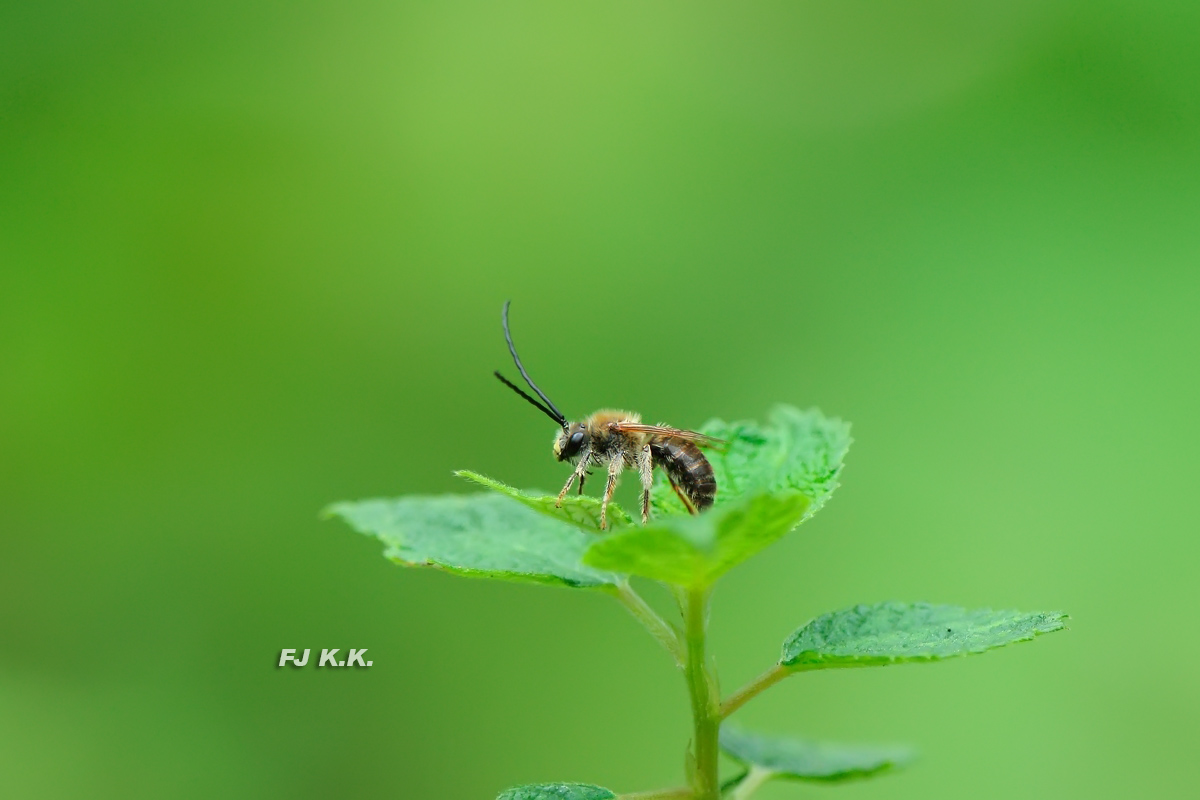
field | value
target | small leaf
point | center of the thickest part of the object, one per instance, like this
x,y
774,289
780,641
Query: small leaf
x,y
769,479
557,791
892,633
813,761
480,535
696,550
795,450
579,510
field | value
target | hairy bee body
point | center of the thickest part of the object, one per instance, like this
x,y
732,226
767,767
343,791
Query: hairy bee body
x,y
606,441
618,441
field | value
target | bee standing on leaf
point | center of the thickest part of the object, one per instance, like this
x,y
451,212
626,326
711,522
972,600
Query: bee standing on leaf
x,y
618,441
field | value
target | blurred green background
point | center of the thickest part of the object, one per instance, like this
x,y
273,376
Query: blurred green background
x,y
252,258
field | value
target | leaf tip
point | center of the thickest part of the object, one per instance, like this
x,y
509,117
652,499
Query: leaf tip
x,y
332,510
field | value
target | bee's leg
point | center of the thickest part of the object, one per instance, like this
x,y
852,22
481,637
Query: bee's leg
x,y
614,471
646,469
581,480
584,459
683,497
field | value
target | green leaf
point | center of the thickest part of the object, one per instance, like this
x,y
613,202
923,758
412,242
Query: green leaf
x,y
893,633
795,450
812,761
481,535
557,791
696,550
769,479
579,510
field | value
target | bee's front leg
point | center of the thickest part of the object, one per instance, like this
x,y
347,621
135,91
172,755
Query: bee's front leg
x,y
614,471
580,470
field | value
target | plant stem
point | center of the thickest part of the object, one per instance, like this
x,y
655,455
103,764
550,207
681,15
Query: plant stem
x,y
651,621
750,784
706,705
752,689
682,793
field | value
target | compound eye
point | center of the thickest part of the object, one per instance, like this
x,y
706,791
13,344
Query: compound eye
x,y
576,441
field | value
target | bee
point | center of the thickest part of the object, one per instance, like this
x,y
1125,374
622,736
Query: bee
x,y
616,441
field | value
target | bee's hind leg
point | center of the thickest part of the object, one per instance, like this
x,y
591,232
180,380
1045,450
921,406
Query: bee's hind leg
x,y
646,470
682,497
581,470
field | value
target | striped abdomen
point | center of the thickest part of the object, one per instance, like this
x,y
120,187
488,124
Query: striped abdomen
x,y
688,469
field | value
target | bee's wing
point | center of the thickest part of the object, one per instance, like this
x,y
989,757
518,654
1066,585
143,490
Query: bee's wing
x,y
699,439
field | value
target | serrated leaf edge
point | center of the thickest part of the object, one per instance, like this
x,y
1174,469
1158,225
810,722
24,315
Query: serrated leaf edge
x,y
849,662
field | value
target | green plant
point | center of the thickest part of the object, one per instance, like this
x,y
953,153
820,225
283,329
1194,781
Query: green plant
x,y
772,477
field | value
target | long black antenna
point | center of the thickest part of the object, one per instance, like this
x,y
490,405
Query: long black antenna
x,y
517,389
549,409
